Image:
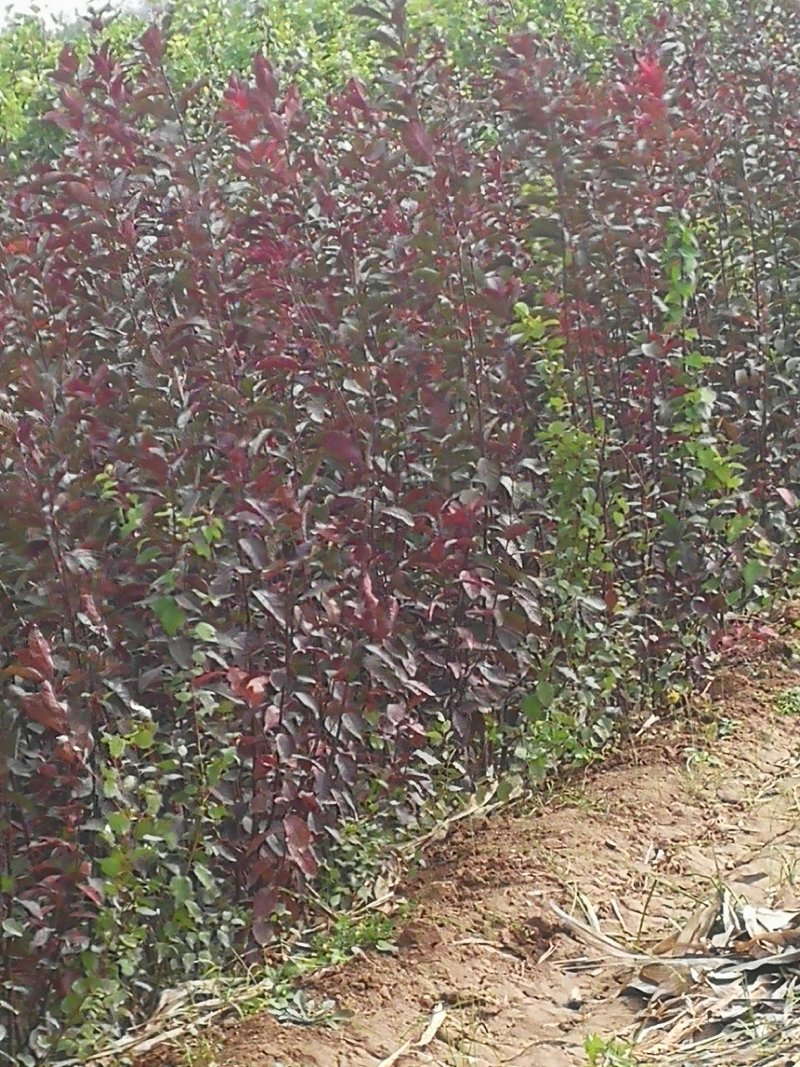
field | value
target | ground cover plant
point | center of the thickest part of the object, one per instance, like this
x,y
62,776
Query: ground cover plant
x,y
357,451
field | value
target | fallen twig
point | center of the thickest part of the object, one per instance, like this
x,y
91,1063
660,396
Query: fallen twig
x,y
435,1023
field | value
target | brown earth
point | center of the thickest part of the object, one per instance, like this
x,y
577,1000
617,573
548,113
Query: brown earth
x,y
644,838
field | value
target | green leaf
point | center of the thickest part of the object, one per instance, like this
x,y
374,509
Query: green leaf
x,y
111,866
147,555
550,229
532,708
181,888
116,745
168,614
119,822
205,877
143,738
487,473
753,572
205,631
545,693
13,927
594,603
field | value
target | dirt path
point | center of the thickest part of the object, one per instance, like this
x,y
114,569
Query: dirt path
x,y
644,839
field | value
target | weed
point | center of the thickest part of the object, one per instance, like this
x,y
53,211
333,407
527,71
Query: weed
x,y
331,947
788,703
465,1041
788,870
581,801
701,758
299,1009
608,1053
198,1053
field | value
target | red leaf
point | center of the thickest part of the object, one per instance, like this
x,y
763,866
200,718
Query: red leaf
x,y
92,893
244,127
298,835
342,448
67,64
275,125
82,194
355,95
256,688
287,363
237,94
265,77
377,618
90,610
66,751
472,584
237,680
45,708
516,529
38,654
418,142
200,680
153,44
298,843
74,102
651,78
18,247
251,690
264,902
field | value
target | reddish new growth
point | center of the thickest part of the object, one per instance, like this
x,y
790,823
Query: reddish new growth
x,y
651,79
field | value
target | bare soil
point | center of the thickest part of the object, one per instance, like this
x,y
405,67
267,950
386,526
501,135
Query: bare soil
x,y
711,799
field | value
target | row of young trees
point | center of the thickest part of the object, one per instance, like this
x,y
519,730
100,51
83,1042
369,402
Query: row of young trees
x,y
420,434
316,43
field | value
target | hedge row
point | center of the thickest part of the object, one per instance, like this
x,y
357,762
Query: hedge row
x,y
349,457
